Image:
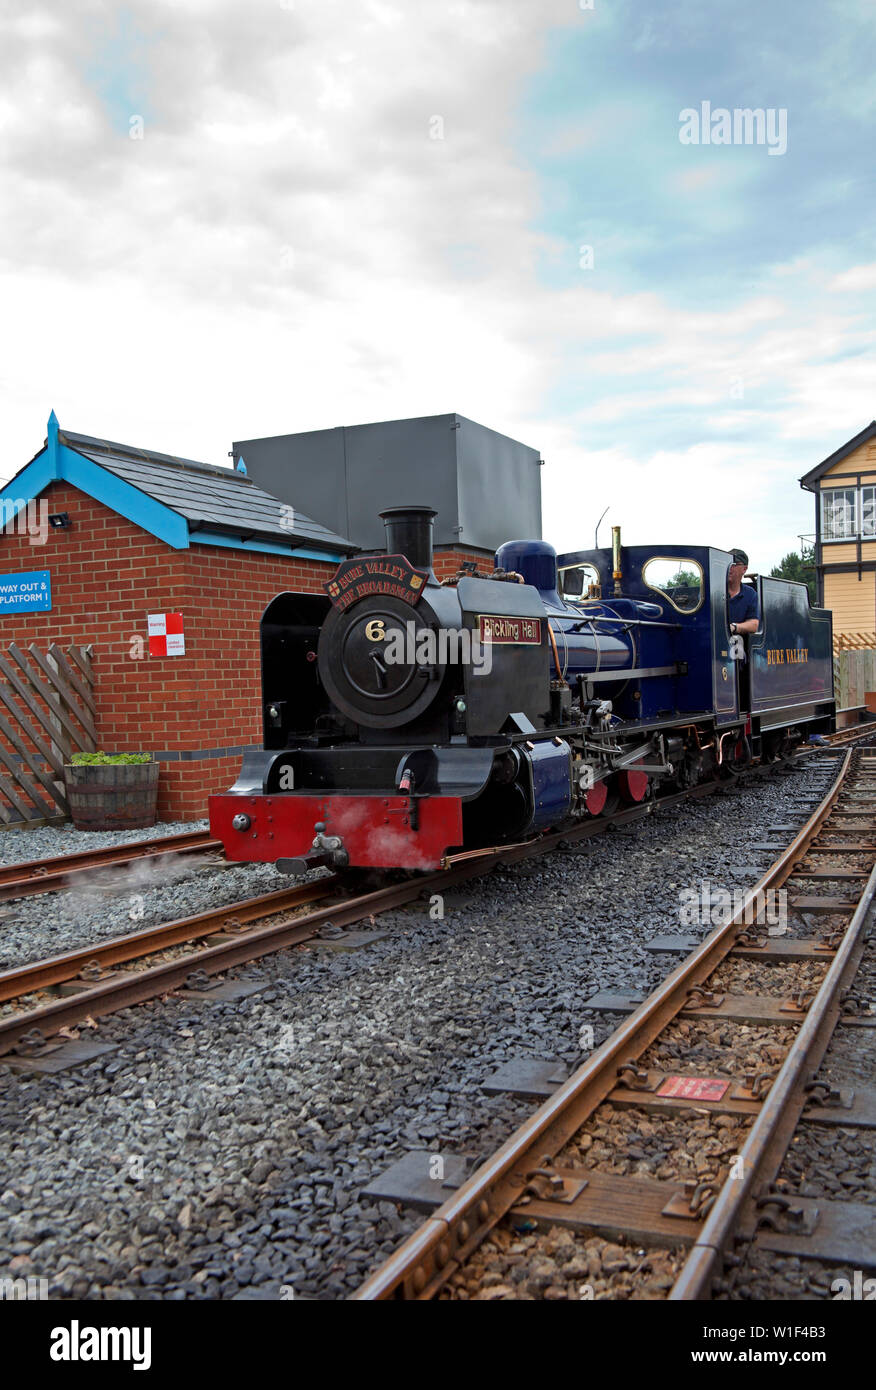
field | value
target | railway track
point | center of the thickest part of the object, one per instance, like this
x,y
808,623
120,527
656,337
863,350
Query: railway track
x,y
541,1180
855,722
64,871
40,999
230,935
239,933
843,737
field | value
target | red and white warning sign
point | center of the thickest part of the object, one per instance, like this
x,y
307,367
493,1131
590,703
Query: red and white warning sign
x,y
166,636
694,1087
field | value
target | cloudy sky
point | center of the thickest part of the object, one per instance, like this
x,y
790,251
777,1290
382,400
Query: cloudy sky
x,y
351,210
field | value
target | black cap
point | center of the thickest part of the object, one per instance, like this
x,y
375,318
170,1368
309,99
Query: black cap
x,y
739,557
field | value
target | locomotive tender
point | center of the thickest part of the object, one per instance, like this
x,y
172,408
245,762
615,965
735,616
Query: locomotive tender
x,y
406,718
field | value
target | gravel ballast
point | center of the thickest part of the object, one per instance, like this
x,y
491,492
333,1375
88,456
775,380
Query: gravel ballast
x,y
111,901
220,1150
19,846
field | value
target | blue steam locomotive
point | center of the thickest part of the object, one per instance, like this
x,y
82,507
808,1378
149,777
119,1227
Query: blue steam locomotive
x,y
407,718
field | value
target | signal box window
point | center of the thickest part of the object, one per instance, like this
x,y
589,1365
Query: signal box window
x,y
679,581
839,513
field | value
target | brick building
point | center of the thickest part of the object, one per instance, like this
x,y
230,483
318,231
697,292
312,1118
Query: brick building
x,y
135,533
142,533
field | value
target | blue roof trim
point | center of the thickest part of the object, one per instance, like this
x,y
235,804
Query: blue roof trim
x,y
301,552
123,498
58,462
27,484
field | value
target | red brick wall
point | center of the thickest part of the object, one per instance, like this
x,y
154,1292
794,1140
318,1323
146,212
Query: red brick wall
x,y
447,562
107,575
229,591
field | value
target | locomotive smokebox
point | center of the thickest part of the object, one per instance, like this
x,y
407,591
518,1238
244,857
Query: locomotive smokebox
x,y
409,533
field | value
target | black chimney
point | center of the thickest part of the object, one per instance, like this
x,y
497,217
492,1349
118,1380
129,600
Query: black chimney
x,y
409,533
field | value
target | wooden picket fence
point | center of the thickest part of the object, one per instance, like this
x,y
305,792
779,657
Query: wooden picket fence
x,y
47,713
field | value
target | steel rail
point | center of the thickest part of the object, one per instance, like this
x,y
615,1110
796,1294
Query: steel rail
x,y
136,987
55,970
49,875
52,875
843,736
695,1277
427,1259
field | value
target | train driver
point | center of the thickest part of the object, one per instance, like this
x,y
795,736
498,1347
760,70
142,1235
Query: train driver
x,y
743,613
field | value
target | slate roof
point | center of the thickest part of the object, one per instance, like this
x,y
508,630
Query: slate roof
x,y
210,498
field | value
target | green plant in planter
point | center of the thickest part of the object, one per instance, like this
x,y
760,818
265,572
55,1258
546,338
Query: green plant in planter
x,y
102,759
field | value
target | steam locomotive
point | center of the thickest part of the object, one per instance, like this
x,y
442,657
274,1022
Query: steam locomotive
x,y
406,719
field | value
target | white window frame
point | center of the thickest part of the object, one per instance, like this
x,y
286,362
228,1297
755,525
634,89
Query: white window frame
x,y
868,531
855,521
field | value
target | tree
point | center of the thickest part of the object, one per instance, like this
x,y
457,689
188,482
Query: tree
x,y
799,568
688,579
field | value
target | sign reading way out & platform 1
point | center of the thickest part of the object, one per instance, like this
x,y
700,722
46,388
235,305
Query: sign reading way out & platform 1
x,y
26,593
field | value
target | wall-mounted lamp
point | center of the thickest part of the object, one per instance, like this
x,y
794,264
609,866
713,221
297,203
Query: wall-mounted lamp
x,y
60,521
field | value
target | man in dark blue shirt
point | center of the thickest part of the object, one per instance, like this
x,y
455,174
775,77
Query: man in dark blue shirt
x,y
743,614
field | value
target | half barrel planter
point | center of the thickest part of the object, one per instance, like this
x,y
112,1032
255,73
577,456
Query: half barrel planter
x,y
112,796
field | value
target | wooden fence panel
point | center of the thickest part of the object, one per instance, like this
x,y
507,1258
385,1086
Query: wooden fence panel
x,y
854,675
47,713
57,703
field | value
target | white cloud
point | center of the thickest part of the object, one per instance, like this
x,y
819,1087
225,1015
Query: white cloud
x,y
859,277
289,248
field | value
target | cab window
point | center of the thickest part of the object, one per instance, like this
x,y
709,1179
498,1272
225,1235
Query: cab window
x,y
579,582
678,581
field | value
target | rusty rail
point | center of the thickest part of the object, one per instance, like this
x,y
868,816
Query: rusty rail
x,y
120,992
118,950
50,875
775,1124
852,734
136,988
427,1259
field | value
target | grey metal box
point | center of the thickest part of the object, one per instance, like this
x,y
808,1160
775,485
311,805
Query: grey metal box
x,y
485,487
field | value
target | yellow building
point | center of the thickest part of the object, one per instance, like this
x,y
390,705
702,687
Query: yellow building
x,y
845,536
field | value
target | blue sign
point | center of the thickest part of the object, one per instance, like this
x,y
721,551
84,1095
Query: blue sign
x,y
26,593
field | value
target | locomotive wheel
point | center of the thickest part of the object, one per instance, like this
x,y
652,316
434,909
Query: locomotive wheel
x,y
736,760
597,799
632,786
